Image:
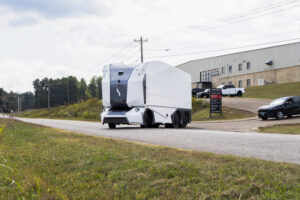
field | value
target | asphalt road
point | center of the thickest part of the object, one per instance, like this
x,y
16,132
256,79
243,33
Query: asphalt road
x,y
273,147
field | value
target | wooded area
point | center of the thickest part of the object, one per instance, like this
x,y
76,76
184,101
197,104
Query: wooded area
x,y
52,92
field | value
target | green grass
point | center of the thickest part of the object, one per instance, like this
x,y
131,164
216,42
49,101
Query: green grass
x,y
43,163
228,114
273,91
281,128
90,111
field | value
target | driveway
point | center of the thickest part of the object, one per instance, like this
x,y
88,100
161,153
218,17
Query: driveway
x,y
274,147
247,104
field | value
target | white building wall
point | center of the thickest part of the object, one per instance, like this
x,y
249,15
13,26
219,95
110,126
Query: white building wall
x,y
282,56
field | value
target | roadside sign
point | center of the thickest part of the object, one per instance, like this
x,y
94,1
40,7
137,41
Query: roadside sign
x,y
215,101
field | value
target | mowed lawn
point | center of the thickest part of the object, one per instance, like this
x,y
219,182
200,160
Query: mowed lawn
x,y
273,91
228,114
44,163
281,128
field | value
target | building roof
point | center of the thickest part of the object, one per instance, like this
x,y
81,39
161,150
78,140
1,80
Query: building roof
x,y
287,44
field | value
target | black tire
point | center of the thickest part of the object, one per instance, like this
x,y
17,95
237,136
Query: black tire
x,y
239,94
148,119
184,120
176,120
112,126
156,125
290,116
168,126
279,115
264,118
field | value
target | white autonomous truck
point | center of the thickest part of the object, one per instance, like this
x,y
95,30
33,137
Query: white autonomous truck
x,y
149,94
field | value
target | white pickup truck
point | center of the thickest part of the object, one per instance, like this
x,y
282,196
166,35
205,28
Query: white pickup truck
x,y
230,90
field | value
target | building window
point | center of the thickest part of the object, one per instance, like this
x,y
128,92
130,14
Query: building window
x,y
248,65
230,69
240,83
205,76
240,67
248,82
223,70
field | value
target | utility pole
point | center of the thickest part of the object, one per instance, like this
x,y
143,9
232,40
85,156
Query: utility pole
x,y
141,41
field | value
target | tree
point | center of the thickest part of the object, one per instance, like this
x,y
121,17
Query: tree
x,y
92,88
99,87
82,90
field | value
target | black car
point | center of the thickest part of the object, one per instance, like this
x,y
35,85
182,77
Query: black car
x,y
285,106
204,94
196,90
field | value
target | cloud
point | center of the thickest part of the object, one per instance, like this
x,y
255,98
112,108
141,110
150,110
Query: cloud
x,y
23,21
18,75
58,8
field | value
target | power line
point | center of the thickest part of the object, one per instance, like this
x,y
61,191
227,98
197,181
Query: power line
x,y
110,56
218,50
131,55
241,20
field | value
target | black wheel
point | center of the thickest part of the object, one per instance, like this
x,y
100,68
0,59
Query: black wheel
x,y
184,120
148,119
155,125
290,116
279,115
111,126
264,118
239,94
168,126
176,120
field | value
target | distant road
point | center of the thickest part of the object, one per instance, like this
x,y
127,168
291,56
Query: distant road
x,y
274,147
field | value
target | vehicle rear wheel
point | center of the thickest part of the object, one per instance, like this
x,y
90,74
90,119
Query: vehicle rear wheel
x,y
184,121
111,126
239,94
264,118
279,115
290,116
148,119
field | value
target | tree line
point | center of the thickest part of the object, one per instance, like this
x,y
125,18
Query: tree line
x,y
52,92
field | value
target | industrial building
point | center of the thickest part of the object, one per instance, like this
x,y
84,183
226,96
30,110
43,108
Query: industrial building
x,y
271,65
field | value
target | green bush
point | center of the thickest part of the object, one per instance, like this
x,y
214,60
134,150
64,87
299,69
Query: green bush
x,y
198,104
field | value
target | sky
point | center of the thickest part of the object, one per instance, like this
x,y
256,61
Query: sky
x,y
54,38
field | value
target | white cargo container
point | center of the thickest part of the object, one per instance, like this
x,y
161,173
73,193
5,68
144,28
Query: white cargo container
x,y
149,94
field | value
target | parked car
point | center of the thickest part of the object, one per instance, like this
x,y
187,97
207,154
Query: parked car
x,y
230,90
278,108
204,94
196,90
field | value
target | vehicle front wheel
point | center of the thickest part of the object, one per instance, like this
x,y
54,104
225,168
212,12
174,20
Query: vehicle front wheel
x,y
264,118
111,126
290,116
239,94
279,115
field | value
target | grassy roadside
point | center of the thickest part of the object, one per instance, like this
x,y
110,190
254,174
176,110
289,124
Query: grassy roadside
x,y
273,91
86,111
281,128
228,114
44,163
90,111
